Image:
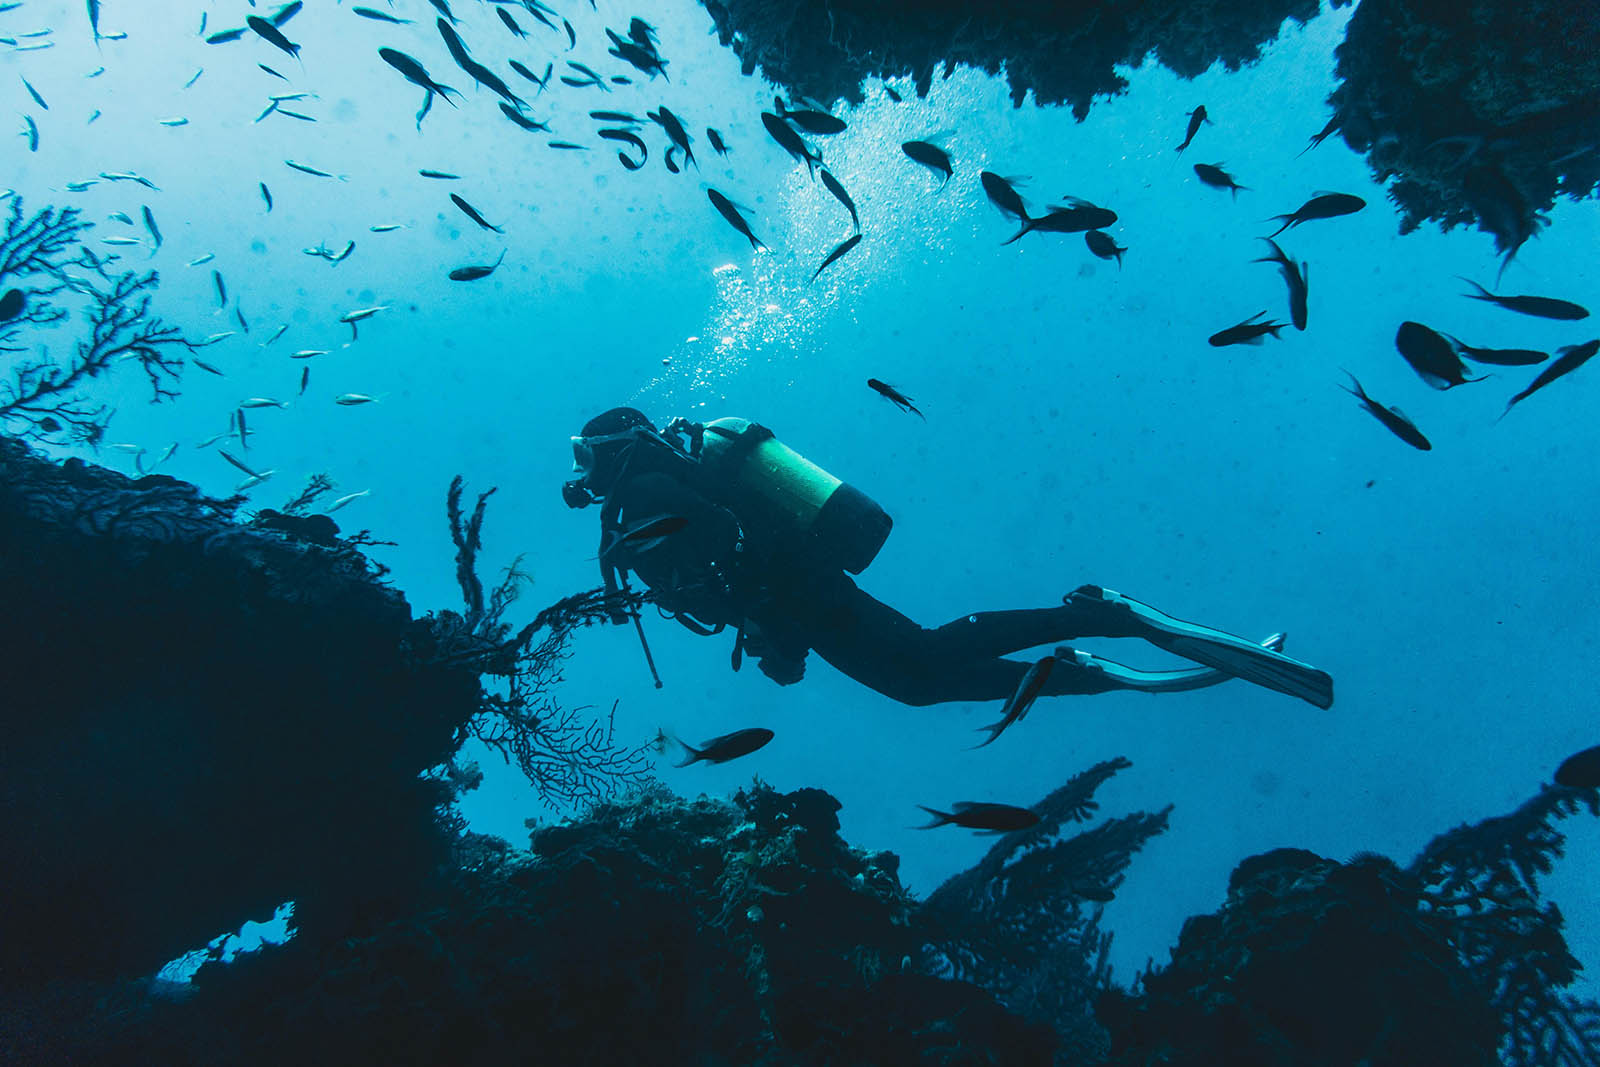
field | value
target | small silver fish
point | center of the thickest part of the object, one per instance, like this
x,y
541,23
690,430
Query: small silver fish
x,y
342,501
207,258
351,399
179,121
386,227
78,187
308,353
262,402
277,334
195,78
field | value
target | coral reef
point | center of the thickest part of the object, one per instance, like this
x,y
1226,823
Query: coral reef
x,y
1313,962
653,931
1482,111
1062,53
46,399
206,717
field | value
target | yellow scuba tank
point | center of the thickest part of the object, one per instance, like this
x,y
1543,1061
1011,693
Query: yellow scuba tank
x,y
838,522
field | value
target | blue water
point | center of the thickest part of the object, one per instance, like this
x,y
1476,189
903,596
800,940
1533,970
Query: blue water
x,y
1078,426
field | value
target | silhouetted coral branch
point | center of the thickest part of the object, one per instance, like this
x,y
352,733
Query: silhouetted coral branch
x,y
44,398
1014,924
568,757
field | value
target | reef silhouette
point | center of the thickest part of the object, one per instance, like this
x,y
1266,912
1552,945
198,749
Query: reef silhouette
x,y
209,713
1481,112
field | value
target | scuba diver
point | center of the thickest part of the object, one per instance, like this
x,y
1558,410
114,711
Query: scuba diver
x,y
731,528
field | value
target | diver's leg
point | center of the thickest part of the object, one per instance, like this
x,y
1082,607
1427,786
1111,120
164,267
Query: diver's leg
x,y
1000,633
879,647
1214,648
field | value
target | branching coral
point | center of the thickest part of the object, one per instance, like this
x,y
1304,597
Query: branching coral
x,y
1014,923
568,756
44,398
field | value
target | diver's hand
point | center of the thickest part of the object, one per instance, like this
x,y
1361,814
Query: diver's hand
x,y
781,670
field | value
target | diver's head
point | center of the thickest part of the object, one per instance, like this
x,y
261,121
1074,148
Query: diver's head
x,y
599,453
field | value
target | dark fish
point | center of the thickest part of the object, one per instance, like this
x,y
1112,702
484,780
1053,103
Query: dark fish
x,y
1021,699
150,224
272,35
1105,246
305,379
642,58
888,90
511,23
1248,332
716,141
999,818
477,71
931,156
1323,206
1213,175
1393,418
727,747
286,12
1502,210
1580,770
472,274
1543,307
526,73
645,534
675,131
894,396
443,8
568,146
593,78
222,289
830,183
442,175
731,213
811,121
272,72
1322,135
11,305
1077,216
572,34
672,165
616,116
1003,195
37,99
414,73
520,119
303,169
207,367
266,194
1196,117
1500,357
224,36
533,9
32,130
379,16
844,246
1431,355
472,213
94,20
790,141
641,33
238,313
1297,276
628,137
1568,359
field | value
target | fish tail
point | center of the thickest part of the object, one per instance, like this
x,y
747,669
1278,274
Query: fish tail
x,y
1288,221
1481,294
694,754
1026,226
940,818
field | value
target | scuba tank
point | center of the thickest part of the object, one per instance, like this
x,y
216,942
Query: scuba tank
x,y
836,521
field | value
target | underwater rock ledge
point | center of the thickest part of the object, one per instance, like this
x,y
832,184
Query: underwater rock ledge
x,y
1063,53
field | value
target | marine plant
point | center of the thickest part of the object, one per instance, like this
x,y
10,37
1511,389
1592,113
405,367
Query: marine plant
x,y
45,268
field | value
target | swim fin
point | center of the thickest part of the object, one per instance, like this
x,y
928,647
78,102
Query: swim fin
x,y
1155,681
1214,648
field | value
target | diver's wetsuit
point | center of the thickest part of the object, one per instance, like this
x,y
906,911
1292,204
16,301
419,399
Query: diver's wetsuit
x,y
796,603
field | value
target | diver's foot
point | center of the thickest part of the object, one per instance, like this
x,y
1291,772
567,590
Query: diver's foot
x,y
1214,648
1096,615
